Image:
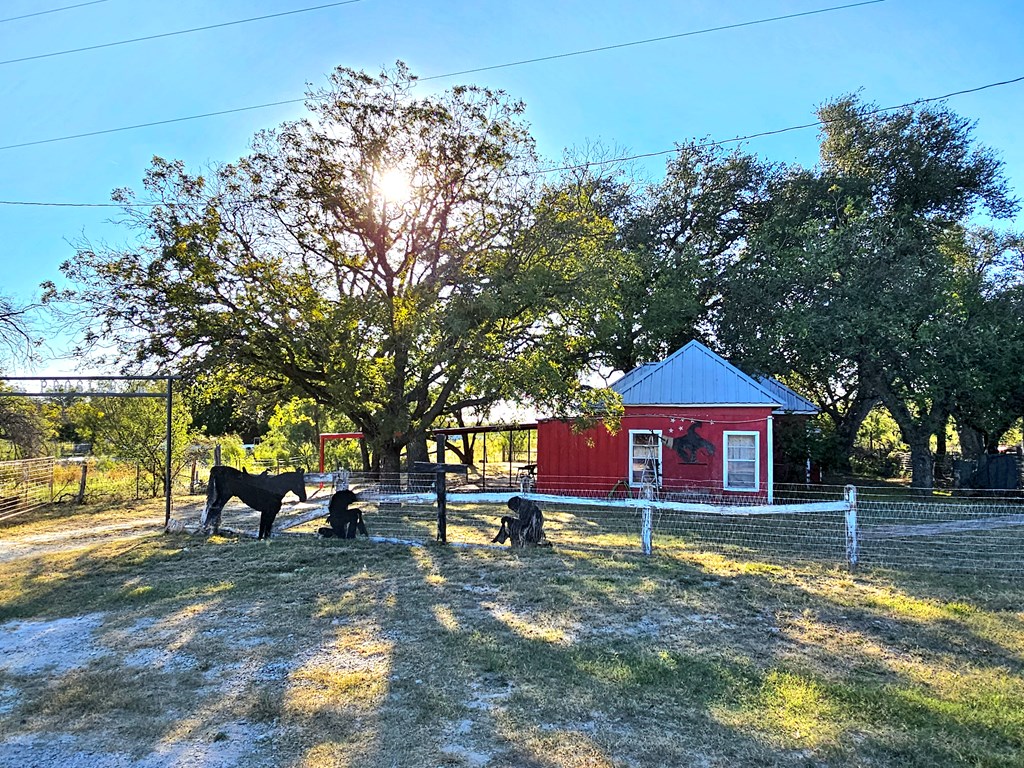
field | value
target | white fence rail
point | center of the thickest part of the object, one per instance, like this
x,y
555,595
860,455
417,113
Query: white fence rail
x,y
865,528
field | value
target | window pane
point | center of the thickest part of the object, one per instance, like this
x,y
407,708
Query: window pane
x,y
741,461
741,447
645,458
741,474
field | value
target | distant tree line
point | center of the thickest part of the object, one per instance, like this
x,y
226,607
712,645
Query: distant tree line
x,y
401,262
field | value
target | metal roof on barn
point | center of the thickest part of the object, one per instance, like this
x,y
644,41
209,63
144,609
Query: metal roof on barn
x,y
694,375
790,402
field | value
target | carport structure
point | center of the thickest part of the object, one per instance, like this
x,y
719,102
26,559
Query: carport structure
x,y
442,438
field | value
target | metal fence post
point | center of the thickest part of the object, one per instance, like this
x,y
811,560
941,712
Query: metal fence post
x,y
852,545
341,478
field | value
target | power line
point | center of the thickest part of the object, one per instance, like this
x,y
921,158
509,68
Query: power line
x,y
151,124
431,77
52,10
816,124
179,32
625,158
652,40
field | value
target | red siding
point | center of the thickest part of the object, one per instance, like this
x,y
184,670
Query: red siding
x,y
595,461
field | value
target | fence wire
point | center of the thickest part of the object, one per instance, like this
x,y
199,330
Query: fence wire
x,y
25,485
972,534
404,508
966,535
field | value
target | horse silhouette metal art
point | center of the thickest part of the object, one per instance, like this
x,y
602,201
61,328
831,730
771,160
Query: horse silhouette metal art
x,y
689,445
526,528
264,493
345,521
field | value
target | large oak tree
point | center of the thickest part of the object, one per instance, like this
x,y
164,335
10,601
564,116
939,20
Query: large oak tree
x,y
392,256
860,284
676,240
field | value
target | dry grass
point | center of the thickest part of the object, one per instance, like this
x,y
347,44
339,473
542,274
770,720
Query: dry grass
x,y
319,653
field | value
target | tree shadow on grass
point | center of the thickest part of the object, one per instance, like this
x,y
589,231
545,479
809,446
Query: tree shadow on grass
x,y
355,653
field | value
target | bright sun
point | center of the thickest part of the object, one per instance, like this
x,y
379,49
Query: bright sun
x,y
394,186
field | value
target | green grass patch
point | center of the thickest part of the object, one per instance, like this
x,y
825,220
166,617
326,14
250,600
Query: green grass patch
x,y
355,653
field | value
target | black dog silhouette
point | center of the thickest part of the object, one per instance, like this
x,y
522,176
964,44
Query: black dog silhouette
x,y
345,521
687,446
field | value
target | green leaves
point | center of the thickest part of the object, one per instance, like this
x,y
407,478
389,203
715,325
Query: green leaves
x,y
861,281
307,269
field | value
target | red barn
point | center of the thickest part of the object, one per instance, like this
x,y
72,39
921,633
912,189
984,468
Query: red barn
x,y
694,424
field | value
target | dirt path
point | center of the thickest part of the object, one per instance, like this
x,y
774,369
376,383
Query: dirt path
x,y
236,518
54,541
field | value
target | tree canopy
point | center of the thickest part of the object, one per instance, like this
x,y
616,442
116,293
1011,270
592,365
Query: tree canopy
x,y
391,256
400,261
676,239
861,284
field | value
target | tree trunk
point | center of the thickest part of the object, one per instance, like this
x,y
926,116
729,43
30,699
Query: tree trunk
x,y
917,431
972,442
390,461
417,450
940,438
942,472
848,424
922,463
459,451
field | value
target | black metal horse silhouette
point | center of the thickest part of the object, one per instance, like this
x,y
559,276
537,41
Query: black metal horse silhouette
x,y
263,493
687,446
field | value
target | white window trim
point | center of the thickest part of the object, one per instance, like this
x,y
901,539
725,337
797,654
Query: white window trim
x,y
629,458
757,461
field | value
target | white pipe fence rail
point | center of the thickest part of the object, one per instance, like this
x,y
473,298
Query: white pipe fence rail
x,y
855,527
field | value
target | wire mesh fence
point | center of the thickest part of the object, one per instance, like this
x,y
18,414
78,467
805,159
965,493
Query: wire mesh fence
x,y
405,508
977,534
25,485
886,527
95,479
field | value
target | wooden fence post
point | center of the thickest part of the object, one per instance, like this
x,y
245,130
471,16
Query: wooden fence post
x,y
439,471
441,486
81,484
852,545
647,521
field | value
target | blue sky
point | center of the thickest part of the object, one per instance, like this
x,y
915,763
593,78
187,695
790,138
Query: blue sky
x,y
637,99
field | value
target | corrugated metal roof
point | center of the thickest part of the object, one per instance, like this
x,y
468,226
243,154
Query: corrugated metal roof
x,y
692,375
790,401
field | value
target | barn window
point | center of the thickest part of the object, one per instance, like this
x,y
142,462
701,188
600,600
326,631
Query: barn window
x,y
741,464
645,457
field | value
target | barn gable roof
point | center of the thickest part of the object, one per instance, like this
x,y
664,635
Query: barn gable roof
x,y
790,402
692,375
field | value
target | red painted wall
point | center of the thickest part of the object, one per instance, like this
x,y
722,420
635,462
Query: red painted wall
x,y
595,461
